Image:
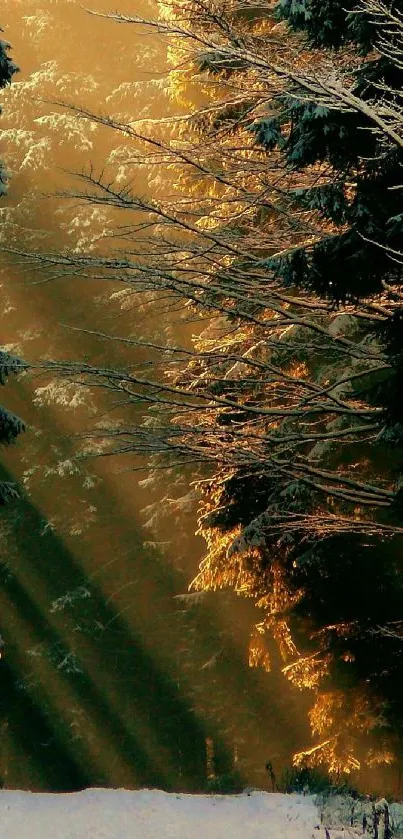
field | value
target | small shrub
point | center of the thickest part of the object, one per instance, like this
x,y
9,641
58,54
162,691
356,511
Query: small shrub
x,y
309,781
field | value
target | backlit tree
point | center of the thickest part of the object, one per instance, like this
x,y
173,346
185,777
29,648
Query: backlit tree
x,y
281,241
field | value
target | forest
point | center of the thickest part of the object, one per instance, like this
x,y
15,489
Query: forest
x,y
269,395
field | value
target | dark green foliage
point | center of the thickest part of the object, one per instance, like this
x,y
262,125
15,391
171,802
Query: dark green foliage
x,y
355,262
374,77
341,267
319,133
329,199
10,425
9,364
305,780
324,20
8,493
346,557
264,492
7,66
290,267
327,23
7,70
268,133
238,508
355,584
229,783
386,389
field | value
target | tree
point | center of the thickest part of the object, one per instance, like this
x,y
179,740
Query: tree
x,y
10,425
286,253
7,70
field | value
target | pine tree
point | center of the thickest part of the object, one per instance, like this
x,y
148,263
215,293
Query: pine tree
x,y
362,193
347,132
7,70
327,23
10,425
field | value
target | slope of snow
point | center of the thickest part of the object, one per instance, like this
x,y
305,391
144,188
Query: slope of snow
x,y
152,814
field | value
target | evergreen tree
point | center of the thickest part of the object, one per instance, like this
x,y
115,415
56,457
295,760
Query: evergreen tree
x,y
327,23
346,131
10,425
7,70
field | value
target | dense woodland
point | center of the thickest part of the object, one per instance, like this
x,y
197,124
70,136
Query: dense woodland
x,y
279,250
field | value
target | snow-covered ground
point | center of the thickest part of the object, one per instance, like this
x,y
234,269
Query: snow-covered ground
x,y
152,814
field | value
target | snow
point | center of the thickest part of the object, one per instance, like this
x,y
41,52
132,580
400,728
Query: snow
x,y
153,814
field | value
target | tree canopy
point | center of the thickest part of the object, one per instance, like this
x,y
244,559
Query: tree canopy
x,y
282,243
